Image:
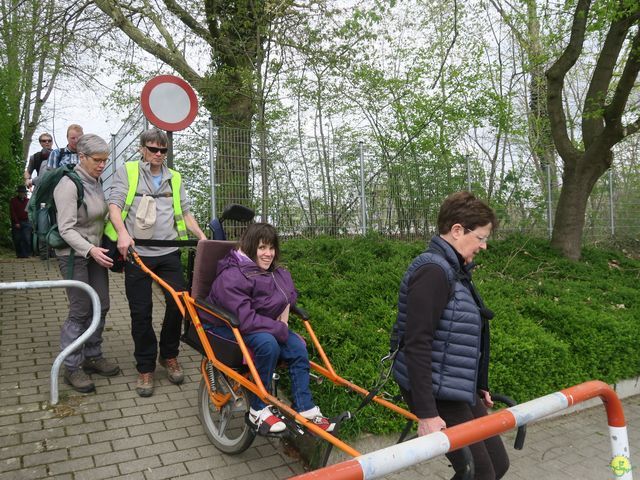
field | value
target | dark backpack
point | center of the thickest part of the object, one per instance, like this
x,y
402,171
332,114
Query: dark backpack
x,y
42,208
38,159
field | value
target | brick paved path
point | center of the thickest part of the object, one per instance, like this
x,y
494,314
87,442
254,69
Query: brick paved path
x,y
116,434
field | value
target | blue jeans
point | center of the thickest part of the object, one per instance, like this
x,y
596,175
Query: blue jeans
x,y
267,352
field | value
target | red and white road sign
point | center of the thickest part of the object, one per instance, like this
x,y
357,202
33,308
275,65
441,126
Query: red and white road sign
x,y
169,103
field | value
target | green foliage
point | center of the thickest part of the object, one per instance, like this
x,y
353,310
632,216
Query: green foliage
x,y
557,323
10,148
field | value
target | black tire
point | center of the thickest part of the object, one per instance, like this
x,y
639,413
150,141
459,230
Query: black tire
x,y
226,428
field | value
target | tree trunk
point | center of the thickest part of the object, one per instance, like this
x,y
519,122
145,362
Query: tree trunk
x,y
572,206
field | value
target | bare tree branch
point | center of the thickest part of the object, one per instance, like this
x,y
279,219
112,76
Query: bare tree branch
x,y
555,80
173,58
614,111
188,20
592,118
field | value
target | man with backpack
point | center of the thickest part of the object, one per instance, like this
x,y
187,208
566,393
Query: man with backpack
x,y
37,159
68,155
148,201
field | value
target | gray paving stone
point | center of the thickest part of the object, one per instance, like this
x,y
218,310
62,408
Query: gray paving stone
x,y
232,471
45,458
90,450
170,471
132,476
114,458
29,473
87,427
206,464
124,422
265,463
114,434
196,476
179,456
9,464
22,427
175,434
70,466
131,442
100,473
141,465
155,449
147,428
67,441
20,450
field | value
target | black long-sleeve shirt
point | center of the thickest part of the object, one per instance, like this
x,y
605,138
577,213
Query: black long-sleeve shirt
x,y
427,298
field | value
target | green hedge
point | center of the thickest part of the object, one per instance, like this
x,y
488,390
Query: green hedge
x,y
557,323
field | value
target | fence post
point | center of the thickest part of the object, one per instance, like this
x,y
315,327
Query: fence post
x,y
262,138
212,169
549,201
114,154
611,212
363,200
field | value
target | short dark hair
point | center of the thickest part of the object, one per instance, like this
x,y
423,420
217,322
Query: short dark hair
x,y
45,135
154,135
253,235
467,210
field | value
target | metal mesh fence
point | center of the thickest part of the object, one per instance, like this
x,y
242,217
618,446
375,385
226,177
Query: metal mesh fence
x,y
339,186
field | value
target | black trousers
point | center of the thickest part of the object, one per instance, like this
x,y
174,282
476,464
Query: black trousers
x,y
139,294
22,239
490,457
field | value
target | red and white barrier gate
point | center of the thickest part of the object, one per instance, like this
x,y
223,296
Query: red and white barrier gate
x,y
397,457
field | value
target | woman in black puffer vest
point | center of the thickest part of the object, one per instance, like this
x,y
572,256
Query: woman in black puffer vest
x,y
442,332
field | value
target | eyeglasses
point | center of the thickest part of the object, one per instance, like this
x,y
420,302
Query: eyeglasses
x,y
97,161
46,140
480,239
162,150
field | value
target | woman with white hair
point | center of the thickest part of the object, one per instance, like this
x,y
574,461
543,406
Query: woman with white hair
x,y
81,227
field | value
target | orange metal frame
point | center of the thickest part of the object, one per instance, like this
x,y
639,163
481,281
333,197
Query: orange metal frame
x,y
187,305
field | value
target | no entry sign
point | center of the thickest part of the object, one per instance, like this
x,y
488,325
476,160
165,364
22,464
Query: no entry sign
x,y
169,103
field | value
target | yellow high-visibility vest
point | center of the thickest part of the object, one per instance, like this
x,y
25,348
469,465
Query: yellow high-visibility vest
x,y
133,174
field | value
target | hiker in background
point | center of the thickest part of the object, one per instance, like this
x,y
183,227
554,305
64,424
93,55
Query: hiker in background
x,y
20,224
82,227
68,155
147,200
37,160
442,334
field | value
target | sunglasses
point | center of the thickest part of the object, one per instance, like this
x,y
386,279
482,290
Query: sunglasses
x,y
162,150
46,140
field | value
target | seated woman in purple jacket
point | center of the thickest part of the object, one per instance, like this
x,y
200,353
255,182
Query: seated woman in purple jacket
x,y
252,286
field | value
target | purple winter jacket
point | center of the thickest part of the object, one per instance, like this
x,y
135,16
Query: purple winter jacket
x,y
257,297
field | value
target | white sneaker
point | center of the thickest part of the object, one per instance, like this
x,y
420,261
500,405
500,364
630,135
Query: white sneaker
x,y
266,421
315,415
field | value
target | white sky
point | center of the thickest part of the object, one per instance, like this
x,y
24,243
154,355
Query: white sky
x,y
70,104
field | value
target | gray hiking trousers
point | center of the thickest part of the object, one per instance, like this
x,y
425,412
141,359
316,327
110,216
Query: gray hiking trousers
x,y
80,310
